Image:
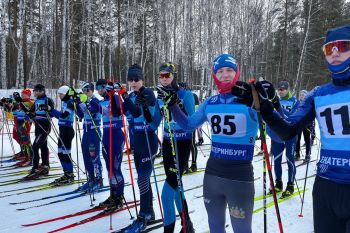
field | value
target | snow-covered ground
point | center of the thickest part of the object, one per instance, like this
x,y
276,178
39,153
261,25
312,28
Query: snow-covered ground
x,y
11,219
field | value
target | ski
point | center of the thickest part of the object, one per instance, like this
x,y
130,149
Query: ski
x,y
92,218
24,172
16,181
40,188
304,163
270,204
83,212
151,225
313,175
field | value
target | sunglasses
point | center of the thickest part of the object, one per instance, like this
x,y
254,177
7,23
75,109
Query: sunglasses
x,y
281,89
100,87
165,75
135,79
341,46
86,89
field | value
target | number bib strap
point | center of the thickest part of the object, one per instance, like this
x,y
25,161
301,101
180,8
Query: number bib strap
x,y
232,151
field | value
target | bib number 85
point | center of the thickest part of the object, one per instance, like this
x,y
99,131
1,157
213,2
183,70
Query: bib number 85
x,y
228,127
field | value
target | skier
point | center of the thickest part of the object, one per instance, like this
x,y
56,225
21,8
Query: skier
x,y
171,190
66,133
307,135
42,130
113,137
143,107
228,178
194,150
329,104
90,144
289,103
21,132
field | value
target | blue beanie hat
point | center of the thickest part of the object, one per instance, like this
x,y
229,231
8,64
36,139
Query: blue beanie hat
x,y
224,60
341,71
339,33
135,71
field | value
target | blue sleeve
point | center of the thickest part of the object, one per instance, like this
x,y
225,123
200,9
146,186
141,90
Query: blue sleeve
x,y
188,103
79,112
303,115
192,121
94,105
55,113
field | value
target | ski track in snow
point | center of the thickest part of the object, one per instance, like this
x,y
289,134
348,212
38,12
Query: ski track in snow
x,y
11,219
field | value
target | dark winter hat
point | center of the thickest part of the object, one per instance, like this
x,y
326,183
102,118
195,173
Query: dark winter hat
x,y
87,86
283,85
167,67
39,87
224,60
101,82
135,71
339,33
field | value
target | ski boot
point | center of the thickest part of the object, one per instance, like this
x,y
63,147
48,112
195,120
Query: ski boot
x,y
37,173
307,159
189,226
96,185
200,141
289,190
278,187
67,178
140,223
25,163
112,203
193,167
297,157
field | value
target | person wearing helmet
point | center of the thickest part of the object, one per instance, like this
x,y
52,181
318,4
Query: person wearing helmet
x,y
228,179
329,104
113,137
21,132
171,190
42,130
66,133
90,144
288,103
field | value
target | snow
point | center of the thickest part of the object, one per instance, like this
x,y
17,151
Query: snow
x,y
11,219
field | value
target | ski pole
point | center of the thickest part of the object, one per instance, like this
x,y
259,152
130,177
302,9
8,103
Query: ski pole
x,y
127,151
77,131
266,154
173,151
303,200
152,163
264,200
2,139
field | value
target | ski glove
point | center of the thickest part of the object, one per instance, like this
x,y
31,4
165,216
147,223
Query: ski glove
x,y
83,98
271,93
17,97
72,92
118,87
168,96
44,107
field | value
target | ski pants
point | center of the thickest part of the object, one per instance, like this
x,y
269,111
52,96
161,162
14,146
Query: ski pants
x,y
219,193
66,135
143,163
171,192
307,139
277,151
331,206
117,145
42,129
90,146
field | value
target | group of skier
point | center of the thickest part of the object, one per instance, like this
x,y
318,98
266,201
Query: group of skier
x,y
234,120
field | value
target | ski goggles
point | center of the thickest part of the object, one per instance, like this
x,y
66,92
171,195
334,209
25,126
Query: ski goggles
x,y
86,89
135,79
100,87
165,75
341,46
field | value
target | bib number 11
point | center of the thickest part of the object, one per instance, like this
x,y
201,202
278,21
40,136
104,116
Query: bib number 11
x,y
343,111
